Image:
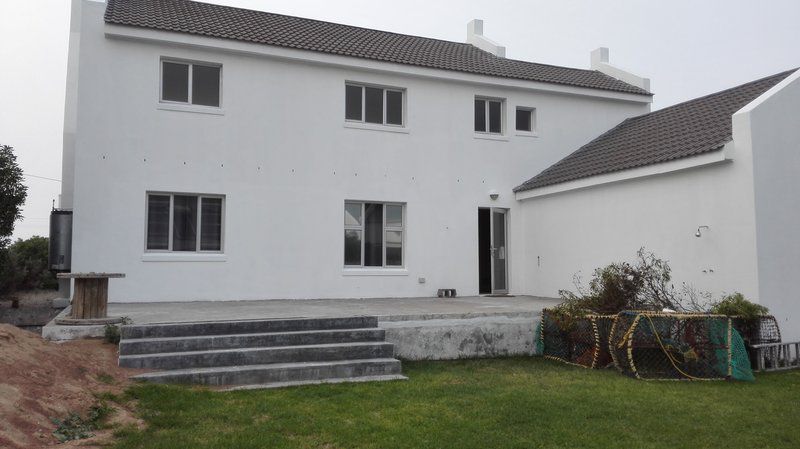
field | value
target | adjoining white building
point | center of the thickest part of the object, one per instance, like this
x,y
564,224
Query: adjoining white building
x,y
216,153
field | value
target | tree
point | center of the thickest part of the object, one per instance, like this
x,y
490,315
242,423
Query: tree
x,y
12,193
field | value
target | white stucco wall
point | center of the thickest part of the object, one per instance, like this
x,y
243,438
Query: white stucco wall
x,y
286,163
577,231
771,125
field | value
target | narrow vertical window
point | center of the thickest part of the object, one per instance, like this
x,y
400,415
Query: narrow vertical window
x,y
373,235
175,82
210,224
394,107
352,102
494,117
158,222
480,116
353,232
373,105
205,85
184,223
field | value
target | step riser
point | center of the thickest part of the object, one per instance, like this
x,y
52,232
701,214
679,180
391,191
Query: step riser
x,y
265,376
245,327
258,356
136,346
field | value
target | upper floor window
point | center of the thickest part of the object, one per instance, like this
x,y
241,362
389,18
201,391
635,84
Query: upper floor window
x,y
373,234
190,83
488,115
183,222
526,120
369,104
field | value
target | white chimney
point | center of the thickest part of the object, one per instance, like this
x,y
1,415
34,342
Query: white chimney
x,y
475,37
599,61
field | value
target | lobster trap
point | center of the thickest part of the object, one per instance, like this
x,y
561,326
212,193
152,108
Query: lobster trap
x,y
581,341
655,345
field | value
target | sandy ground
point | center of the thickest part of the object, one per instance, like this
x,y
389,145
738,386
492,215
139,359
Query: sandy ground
x,y
40,380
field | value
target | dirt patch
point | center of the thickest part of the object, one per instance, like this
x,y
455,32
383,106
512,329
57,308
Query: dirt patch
x,y
40,380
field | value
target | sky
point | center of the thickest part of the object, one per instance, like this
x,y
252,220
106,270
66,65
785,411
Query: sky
x,y
688,48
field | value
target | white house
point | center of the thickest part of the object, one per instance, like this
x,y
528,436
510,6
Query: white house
x,y
217,153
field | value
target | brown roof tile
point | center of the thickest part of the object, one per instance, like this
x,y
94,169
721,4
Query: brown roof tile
x,y
306,34
683,130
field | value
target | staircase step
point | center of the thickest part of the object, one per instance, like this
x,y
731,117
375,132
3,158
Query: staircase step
x,y
259,356
200,328
210,342
336,380
277,372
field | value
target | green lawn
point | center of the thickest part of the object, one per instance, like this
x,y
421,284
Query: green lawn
x,y
517,403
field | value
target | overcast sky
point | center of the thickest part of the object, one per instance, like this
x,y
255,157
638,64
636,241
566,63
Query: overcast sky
x,y
687,47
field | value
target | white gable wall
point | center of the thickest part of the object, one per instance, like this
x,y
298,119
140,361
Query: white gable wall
x,y
286,163
771,125
577,231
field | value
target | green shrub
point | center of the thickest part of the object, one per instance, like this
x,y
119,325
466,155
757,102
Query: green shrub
x,y
24,266
737,305
74,427
111,334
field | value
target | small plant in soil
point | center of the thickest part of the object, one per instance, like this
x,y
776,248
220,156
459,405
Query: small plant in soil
x,y
111,334
75,427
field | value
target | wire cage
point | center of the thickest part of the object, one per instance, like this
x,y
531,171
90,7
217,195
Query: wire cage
x,y
656,345
581,341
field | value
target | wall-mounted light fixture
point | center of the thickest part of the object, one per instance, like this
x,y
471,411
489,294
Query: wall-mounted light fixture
x,y
698,233
494,194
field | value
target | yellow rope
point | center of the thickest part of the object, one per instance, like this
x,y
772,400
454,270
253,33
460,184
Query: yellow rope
x,y
666,351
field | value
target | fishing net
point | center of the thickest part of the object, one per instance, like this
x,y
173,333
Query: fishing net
x,y
654,345
581,341
757,331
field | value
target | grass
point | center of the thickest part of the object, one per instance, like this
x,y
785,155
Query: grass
x,y
514,403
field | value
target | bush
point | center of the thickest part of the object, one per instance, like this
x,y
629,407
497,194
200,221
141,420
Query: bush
x,y
111,334
737,305
24,266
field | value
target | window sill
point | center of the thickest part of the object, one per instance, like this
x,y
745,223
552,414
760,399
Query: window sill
x,y
188,257
498,137
376,127
190,108
526,134
374,272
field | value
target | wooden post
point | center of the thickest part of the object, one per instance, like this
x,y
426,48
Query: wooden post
x,y
90,299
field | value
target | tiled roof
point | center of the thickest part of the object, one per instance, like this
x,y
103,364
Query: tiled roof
x,y
306,34
687,129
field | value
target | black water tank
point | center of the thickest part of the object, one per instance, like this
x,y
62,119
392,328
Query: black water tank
x,y
60,240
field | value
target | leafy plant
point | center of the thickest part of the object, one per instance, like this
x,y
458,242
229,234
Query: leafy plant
x,y
737,305
24,266
111,334
74,427
12,193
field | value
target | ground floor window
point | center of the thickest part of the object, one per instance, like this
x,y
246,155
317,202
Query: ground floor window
x,y
373,234
184,222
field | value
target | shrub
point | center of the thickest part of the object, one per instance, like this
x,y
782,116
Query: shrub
x,y
737,305
111,334
24,266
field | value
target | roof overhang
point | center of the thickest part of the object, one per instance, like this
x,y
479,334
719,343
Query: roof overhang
x,y
719,156
126,32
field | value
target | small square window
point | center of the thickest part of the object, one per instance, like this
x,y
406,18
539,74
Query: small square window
x,y
525,119
488,116
189,83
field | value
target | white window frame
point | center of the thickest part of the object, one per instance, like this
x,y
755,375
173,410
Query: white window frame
x,y
191,65
385,89
503,120
200,197
402,229
533,132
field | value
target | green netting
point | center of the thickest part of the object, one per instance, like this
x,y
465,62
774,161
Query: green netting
x,y
651,345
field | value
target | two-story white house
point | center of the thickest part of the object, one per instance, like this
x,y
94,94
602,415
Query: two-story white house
x,y
217,153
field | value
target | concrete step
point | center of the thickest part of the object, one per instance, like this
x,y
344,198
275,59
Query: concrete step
x,y
335,380
244,327
136,346
282,373
259,356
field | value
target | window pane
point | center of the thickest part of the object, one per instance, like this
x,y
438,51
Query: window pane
x,y
352,247
373,105
394,248
175,82
158,222
352,102
373,235
494,117
523,120
352,214
480,115
211,224
205,85
184,223
394,107
394,216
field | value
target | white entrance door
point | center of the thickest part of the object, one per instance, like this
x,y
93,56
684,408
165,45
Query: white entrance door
x,y
499,251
